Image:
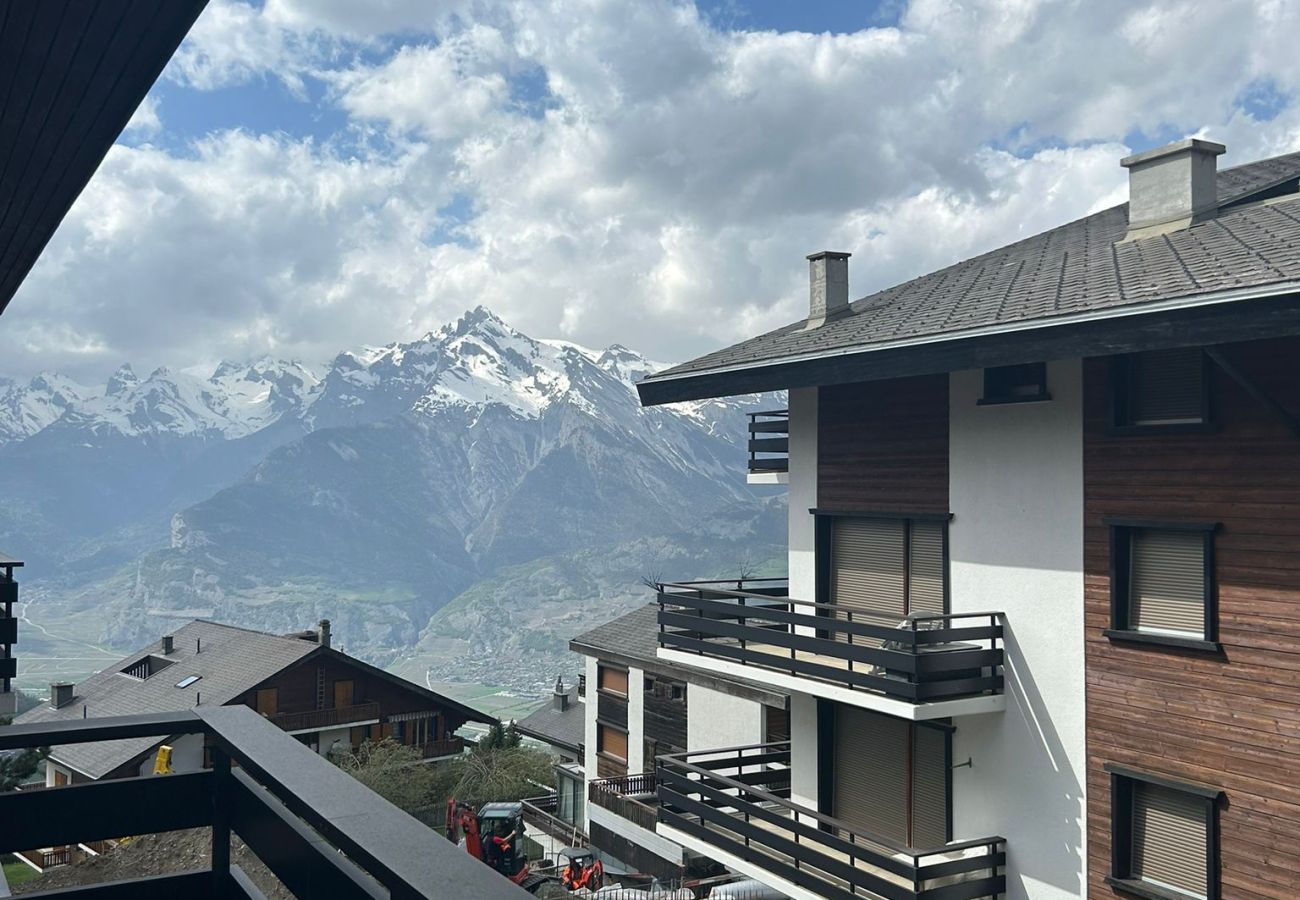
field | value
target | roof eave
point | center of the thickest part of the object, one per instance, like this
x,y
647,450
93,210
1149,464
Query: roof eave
x,y
1208,318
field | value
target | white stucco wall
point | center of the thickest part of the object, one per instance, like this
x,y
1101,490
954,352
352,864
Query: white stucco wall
x,y
635,721
715,719
803,750
1016,545
589,741
327,739
802,492
187,755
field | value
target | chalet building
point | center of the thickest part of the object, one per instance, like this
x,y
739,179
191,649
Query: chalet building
x,y
639,707
1043,614
327,700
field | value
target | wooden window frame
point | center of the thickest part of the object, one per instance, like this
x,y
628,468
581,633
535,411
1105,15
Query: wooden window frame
x,y
1119,389
601,668
1121,584
996,395
1121,877
824,535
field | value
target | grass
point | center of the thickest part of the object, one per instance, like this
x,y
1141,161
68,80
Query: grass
x,y
17,873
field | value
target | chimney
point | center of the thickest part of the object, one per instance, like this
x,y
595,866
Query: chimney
x,y
828,287
60,694
1171,187
169,645
323,635
560,700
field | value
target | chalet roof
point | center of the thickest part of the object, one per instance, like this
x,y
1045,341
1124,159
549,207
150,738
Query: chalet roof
x,y
1069,274
633,639
228,662
560,727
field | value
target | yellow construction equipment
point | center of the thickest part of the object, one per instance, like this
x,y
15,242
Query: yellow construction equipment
x,y
162,763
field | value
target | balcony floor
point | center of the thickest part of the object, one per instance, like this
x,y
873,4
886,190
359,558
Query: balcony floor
x,y
771,673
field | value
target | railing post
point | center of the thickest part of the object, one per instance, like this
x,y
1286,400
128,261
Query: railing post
x,y
221,785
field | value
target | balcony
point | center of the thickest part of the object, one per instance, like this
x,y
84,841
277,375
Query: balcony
x,y
322,833
452,746
631,797
925,667
769,447
320,719
733,806
624,816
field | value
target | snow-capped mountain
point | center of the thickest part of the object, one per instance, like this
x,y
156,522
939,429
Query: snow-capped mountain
x,y
375,488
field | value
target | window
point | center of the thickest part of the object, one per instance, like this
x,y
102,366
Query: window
x,y
1160,390
1015,384
776,724
188,680
611,741
150,665
268,701
612,680
1164,836
888,567
1162,584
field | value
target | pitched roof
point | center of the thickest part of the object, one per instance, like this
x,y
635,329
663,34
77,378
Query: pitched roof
x,y
561,727
1062,274
228,662
633,639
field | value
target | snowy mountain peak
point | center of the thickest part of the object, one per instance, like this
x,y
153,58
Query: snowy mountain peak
x,y
122,380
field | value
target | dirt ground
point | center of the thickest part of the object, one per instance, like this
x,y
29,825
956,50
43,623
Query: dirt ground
x,y
157,854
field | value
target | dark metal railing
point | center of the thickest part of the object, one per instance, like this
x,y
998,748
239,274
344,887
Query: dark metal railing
x,y
920,659
327,718
737,801
630,797
322,833
769,441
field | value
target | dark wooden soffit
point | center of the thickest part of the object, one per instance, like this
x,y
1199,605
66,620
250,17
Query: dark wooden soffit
x,y
1193,327
72,72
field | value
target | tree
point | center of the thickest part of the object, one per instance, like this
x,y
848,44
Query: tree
x,y
501,772
18,767
395,772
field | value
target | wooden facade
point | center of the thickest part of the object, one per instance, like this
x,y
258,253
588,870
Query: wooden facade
x,y
1229,719
883,446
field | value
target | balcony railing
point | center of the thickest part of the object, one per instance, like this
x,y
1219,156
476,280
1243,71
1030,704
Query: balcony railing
x,y
921,659
631,797
540,813
321,832
769,442
327,718
736,802
452,746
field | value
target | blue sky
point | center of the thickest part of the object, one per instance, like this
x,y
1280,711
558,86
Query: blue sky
x,y
314,175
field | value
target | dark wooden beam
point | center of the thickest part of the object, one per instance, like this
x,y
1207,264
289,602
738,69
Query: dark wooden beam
x,y
1252,387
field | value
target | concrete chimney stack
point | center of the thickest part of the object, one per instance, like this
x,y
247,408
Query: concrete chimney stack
x,y
60,694
560,698
1171,187
168,645
828,287
324,633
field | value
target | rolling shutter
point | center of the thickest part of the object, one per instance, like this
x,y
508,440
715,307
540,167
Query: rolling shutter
x,y
1167,590
1169,838
929,787
871,772
1166,387
925,576
867,567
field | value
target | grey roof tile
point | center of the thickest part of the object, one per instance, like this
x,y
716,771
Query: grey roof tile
x,y
562,727
1077,267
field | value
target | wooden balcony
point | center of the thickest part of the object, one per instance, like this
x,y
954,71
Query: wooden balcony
x,y
733,805
452,746
769,447
631,797
322,833
320,719
922,667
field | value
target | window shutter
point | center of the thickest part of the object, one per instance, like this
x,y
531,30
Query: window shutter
x,y
925,578
929,788
1167,590
867,567
1166,387
871,773
613,680
1169,838
613,742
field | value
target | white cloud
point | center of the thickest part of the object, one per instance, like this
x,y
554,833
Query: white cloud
x,y
634,174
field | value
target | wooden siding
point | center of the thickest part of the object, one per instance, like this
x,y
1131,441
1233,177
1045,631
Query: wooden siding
x,y
665,720
883,446
1229,720
611,710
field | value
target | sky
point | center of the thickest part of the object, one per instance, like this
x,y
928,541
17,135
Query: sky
x,y
309,176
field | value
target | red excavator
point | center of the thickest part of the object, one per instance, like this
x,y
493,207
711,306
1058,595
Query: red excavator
x,y
494,835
